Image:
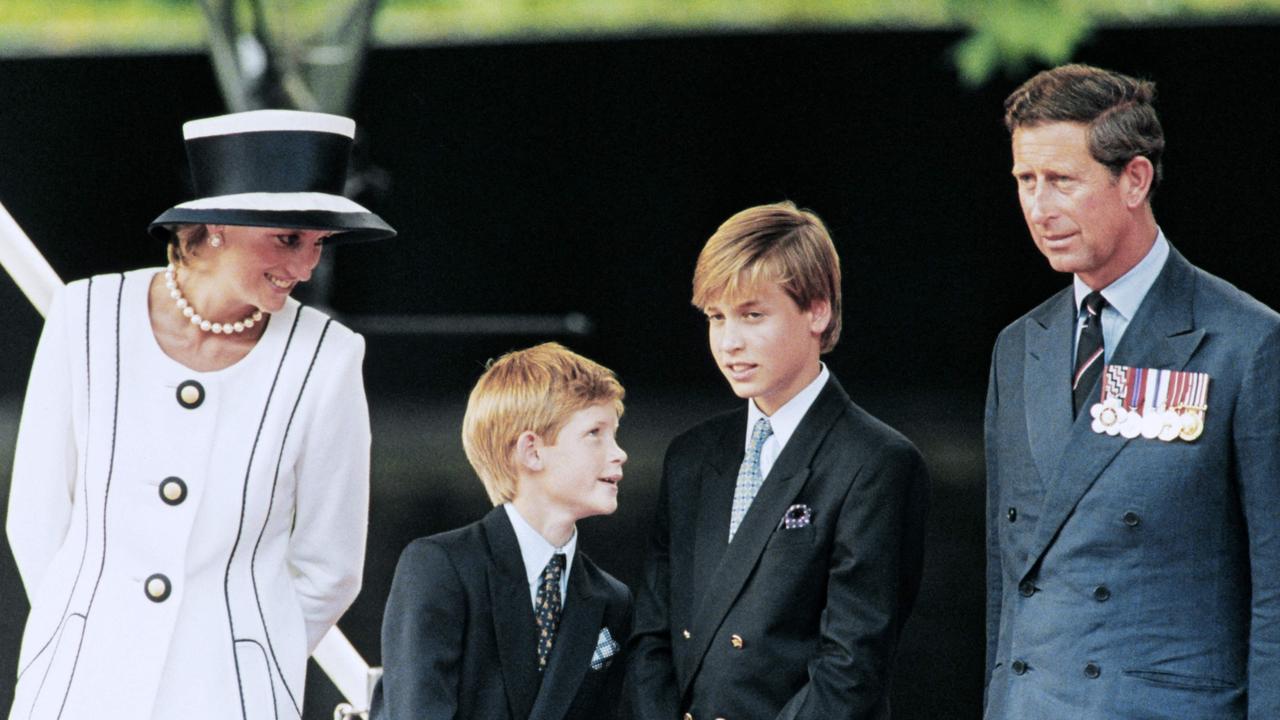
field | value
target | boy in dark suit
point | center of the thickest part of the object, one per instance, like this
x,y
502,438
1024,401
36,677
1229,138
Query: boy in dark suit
x,y
503,618
787,546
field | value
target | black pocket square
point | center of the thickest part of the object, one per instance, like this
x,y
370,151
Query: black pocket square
x,y
797,516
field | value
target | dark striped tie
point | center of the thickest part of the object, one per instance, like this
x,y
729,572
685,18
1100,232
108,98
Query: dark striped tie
x,y
1089,356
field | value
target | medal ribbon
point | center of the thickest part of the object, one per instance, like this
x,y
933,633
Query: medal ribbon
x,y
1177,385
1150,389
1201,391
1166,380
1134,400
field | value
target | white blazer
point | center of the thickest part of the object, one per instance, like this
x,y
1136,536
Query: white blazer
x,y
185,538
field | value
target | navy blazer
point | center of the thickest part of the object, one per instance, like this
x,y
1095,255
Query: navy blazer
x,y
1136,578
459,639
790,623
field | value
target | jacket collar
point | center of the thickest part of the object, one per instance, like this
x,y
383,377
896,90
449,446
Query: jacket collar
x,y
514,626
1068,454
574,644
737,559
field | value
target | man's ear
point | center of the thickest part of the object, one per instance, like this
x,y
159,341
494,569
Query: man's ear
x,y
528,452
819,316
1136,179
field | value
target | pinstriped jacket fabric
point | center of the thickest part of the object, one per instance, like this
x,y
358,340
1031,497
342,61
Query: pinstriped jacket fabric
x,y
200,599
1134,578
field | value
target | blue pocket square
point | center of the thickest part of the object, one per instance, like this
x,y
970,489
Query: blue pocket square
x,y
797,516
606,648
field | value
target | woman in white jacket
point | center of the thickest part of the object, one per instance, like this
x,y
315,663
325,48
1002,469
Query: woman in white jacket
x,y
190,485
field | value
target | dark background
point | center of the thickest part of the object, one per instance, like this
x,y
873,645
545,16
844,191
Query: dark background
x,y
584,176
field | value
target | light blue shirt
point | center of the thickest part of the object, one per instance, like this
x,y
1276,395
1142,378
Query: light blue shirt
x,y
1123,296
537,552
784,420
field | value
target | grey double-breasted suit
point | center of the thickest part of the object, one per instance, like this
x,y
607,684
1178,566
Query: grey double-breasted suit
x,y
1135,578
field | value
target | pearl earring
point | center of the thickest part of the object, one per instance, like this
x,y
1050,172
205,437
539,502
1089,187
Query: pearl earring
x,y
215,240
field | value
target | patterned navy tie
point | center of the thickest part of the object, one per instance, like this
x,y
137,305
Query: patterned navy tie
x,y
1089,352
549,604
749,477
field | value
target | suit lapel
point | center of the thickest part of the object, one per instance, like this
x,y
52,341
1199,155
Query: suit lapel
x,y
1046,384
513,623
785,480
1162,334
1166,333
718,476
574,645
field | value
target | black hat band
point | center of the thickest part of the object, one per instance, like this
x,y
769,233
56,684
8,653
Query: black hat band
x,y
275,161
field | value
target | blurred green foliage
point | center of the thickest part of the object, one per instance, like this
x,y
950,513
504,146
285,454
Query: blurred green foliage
x,y
39,27
1008,34
1003,34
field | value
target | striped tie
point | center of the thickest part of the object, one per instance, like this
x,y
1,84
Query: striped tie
x,y
1089,352
749,477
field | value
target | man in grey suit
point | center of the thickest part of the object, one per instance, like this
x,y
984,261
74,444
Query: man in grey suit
x,y
1133,443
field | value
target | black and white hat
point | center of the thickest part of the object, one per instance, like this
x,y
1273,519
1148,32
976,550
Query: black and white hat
x,y
273,168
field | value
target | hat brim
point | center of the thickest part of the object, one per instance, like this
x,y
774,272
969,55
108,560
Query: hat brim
x,y
349,221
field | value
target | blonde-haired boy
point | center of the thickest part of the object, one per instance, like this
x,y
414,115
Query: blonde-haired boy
x,y
504,618
786,550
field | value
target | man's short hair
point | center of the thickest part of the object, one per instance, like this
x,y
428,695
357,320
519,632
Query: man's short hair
x,y
1116,108
772,243
534,390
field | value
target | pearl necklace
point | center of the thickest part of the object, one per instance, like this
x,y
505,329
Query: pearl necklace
x,y
185,308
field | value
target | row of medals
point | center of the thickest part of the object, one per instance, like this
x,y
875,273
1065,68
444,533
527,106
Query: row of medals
x,y
1182,421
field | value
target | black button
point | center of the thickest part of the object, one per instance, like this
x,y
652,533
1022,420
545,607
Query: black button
x,y
1131,519
1026,588
190,394
1018,667
157,588
1013,514
1092,671
1101,593
173,491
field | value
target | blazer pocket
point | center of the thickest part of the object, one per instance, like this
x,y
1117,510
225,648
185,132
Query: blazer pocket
x,y
605,651
1179,680
56,666
256,684
783,537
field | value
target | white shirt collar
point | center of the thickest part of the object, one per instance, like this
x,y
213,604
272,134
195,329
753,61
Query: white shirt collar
x,y
535,550
786,419
1127,292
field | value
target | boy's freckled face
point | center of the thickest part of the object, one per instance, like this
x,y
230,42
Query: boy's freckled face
x,y
584,466
766,346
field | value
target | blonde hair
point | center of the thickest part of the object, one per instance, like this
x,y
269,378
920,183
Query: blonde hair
x,y
534,390
772,243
